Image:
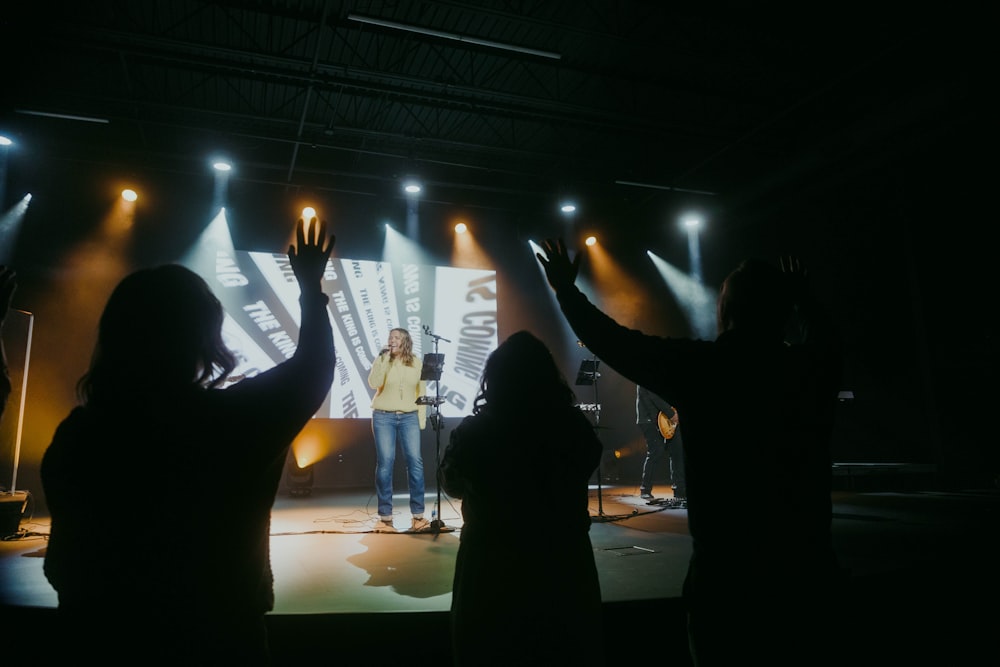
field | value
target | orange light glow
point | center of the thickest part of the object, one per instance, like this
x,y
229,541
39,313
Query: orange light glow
x,y
466,251
627,299
313,444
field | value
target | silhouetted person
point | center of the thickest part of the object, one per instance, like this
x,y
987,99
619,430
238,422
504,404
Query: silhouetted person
x,y
8,284
160,484
525,589
758,413
648,407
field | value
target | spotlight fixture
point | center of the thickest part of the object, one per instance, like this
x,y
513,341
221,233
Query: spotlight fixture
x,y
308,213
222,165
461,228
591,240
412,188
12,509
568,207
299,480
4,141
129,195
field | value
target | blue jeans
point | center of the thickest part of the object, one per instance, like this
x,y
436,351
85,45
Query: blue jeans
x,y
387,427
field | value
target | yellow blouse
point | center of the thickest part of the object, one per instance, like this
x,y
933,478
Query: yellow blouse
x,y
398,386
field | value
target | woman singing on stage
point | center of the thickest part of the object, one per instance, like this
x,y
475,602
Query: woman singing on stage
x,y
395,377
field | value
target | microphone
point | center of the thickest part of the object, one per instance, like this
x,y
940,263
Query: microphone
x,y
384,350
427,330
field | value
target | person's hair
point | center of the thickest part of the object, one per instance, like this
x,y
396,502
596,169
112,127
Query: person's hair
x,y
521,374
754,298
160,330
405,354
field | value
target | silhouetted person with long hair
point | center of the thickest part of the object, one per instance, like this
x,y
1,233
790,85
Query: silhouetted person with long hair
x,y
758,406
525,589
160,484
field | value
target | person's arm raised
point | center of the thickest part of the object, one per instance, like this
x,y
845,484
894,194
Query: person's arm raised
x,y
560,270
309,257
627,351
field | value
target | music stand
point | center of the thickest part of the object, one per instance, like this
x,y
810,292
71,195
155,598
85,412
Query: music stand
x,y
588,375
433,363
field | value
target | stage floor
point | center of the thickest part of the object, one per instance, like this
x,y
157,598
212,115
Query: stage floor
x,y
326,559
908,553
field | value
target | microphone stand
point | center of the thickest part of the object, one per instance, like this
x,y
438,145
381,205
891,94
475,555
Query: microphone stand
x,y
431,371
588,375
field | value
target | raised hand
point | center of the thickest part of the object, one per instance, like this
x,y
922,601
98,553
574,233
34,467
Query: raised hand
x,y
310,253
559,269
792,265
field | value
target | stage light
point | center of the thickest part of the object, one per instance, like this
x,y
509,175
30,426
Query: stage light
x,y
129,195
412,188
12,509
299,480
308,213
466,252
591,240
4,141
220,185
693,223
568,207
696,301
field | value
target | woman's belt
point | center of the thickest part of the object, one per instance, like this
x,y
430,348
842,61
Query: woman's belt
x,y
394,412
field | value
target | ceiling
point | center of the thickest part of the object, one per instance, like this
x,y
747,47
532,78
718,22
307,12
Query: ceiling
x,y
504,104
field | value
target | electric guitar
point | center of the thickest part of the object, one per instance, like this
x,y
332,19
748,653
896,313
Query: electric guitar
x,y
666,425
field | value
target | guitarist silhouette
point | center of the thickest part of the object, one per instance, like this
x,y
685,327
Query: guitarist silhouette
x,y
658,421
